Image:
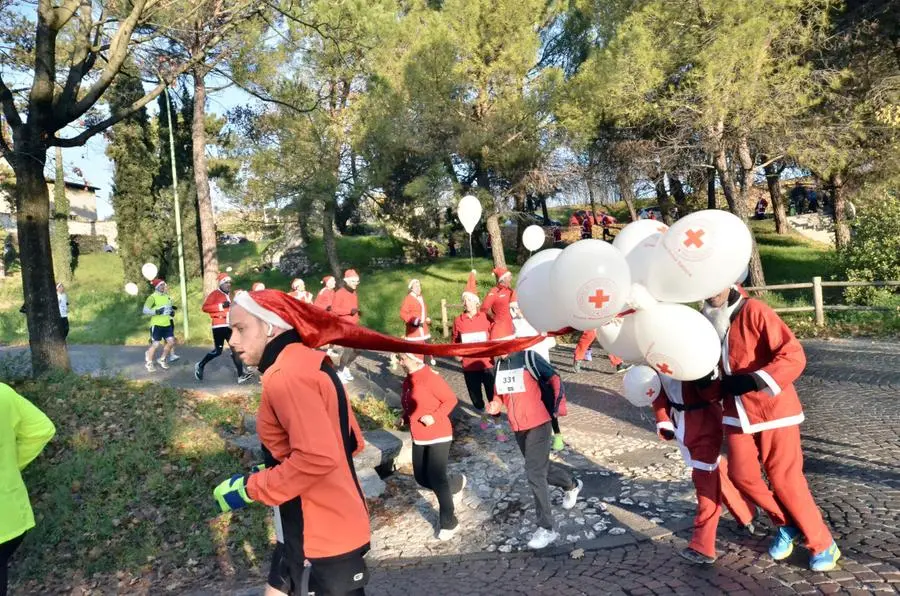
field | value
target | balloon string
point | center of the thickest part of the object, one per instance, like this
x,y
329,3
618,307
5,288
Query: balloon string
x,y
471,253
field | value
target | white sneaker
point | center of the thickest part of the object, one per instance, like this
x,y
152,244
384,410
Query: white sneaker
x,y
342,375
245,378
347,374
149,366
570,496
541,538
448,534
433,362
174,357
162,363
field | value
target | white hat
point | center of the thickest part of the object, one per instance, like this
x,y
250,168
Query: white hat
x,y
245,300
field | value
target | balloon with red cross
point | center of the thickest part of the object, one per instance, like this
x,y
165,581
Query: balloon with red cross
x,y
641,385
677,341
591,281
700,255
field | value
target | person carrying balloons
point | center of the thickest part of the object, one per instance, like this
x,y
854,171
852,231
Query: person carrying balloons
x,y
298,291
160,309
690,413
500,304
346,306
325,297
427,402
414,314
761,359
217,305
520,377
309,435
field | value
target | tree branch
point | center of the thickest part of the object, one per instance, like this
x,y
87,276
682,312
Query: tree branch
x,y
80,58
9,105
269,98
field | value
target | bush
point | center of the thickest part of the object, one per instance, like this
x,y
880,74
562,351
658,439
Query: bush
x,y
89,244
874,253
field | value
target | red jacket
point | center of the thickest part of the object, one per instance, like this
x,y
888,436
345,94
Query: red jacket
x,y
496,306
215,307
346,305
524,409
413,313
759,342
425,392
325,298
299,423
468,329
695,416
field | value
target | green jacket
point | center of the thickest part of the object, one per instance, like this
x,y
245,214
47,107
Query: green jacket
x,y
154,301
24,431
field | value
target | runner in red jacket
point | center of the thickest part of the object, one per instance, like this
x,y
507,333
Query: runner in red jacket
x,y
217,305
427,402
470,327
583,352
325,297
346,306
414,314
499,305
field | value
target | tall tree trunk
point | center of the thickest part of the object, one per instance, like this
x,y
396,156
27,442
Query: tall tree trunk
x,y
61,248
841,229
493,228
590,189
543,199
521,251
209,262
678,194
626,190
711,187
757,278
773,180
328,239
662,197
48,348
747,168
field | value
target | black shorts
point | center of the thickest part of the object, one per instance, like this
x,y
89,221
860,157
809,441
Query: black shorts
x,y
344,575
158,333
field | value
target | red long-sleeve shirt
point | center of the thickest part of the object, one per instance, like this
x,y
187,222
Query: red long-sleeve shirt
x,y
473,329
214,306
325,298
346,305
426,393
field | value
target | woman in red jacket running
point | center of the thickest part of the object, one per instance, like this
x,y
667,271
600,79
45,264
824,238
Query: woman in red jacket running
x,y
427,402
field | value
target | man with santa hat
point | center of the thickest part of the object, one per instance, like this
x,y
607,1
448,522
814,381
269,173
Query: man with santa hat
x,y
500,305
415,315
346,306
325,297
298,291
309,435
690,413
473,326
161,310
761,359
217,305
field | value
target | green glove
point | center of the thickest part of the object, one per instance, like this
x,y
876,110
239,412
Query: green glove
x,y
231,494
257,468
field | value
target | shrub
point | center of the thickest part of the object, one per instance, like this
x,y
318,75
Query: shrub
x,y
874,253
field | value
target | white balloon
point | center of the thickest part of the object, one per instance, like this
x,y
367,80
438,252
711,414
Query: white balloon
x,y
536,300
149,271
592,282
640,298
677,341
533,237
701,255
469,212
131,289
639,247
636,232
641,385
618,337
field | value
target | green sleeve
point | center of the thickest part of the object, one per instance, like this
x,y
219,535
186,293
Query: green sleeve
x,y
149,302
33,429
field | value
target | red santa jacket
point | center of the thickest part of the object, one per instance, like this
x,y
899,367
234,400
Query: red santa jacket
x,y
758,342
325,298
473,329
346,305
695,416
426,393
524,408
412,311
215,307
496,306
303,296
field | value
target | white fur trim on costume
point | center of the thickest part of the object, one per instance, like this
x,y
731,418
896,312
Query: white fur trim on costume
x,y
665,425
772,388
246,301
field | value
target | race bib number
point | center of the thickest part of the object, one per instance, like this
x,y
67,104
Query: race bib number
x,y
510,381
474,337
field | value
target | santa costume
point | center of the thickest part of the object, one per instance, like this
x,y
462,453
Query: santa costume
x,y
325,297
761,359
414,314
298,291
692,415
477,372
346,306
498,305
217,305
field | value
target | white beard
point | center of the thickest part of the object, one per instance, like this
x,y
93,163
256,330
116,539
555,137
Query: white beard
x,y
720,317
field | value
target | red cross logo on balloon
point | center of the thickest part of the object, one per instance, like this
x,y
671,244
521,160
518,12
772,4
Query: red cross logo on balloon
x,y
599,299
694,238
651,392
664,368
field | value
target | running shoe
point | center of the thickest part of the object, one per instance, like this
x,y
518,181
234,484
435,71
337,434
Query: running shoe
x,y
697,558
783,544
162,363
558,443
827,559
501,434
447,534
485,423
347,374
542,538
244,378
433,362
198,372
174,357
571,496
623,367
149,366
577,366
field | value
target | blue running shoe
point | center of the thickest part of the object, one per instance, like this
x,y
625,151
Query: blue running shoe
x,y
827,559
783,545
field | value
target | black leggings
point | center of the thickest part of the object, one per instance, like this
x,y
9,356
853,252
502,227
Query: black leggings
x,y
475,380
554,422
6,551
220,336
430,470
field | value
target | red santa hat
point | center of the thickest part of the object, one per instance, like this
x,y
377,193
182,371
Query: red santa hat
x,y
501,272
260,305
223,278
350,275
471,288
157,282
326,279
298,283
